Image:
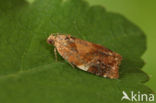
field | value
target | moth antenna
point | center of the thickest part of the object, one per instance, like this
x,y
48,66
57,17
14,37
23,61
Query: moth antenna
x,y
55,52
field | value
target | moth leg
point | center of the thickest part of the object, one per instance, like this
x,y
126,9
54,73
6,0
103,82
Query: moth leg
x,y
55,52
73,66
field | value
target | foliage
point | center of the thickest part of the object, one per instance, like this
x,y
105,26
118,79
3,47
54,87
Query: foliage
x,y
28,71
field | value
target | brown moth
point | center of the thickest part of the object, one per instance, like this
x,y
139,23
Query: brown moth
x,y
86,56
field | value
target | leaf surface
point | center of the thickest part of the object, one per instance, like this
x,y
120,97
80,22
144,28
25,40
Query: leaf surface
x,y
28,71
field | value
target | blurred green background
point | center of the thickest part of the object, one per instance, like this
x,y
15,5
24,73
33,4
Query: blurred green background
x,y
143,14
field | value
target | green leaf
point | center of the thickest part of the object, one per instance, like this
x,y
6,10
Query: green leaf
x,y
28,71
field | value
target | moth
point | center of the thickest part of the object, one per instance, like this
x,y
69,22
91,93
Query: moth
x,y
86,56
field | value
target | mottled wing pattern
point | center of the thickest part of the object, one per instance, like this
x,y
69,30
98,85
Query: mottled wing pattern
x,y
98,59
88,56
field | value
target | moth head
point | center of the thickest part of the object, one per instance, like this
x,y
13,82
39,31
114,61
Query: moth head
x,y
51,39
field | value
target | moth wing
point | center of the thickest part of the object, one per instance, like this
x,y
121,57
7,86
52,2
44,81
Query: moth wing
x,y
98,59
